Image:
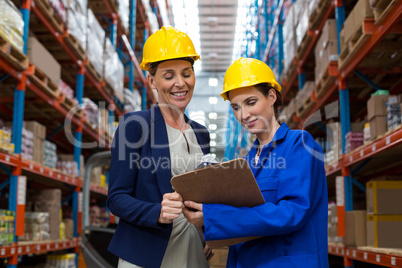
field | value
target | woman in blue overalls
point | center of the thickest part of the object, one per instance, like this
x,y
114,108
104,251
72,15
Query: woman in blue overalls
x,y
289,169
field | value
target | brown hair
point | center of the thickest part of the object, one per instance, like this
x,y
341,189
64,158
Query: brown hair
x,y
264,88
154,65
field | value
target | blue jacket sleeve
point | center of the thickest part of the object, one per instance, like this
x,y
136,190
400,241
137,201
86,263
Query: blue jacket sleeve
x,y
126,149
296,199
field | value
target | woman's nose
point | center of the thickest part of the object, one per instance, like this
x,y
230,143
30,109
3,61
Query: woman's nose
x,y
179,82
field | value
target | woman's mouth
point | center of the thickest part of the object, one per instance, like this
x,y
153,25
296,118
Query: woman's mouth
x,y
179,95
250,123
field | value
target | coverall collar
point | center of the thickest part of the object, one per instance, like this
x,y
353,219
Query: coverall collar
x,y
279,135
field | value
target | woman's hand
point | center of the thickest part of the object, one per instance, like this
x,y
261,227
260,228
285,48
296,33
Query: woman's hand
x,y
172,206
209,253
193,212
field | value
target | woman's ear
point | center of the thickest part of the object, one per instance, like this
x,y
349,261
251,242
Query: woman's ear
x,y
272,96
151,81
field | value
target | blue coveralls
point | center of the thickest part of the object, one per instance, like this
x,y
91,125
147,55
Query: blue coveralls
x,y
293,221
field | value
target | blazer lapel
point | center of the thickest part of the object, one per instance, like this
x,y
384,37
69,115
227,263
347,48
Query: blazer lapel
x,y
160,150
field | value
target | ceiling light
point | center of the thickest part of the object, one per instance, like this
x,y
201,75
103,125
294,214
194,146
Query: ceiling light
x,y
212,136
213,116
212,143
212,126
213,55
198,116
212,21
213,82
213,100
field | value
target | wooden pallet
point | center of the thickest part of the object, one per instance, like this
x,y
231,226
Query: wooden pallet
x,y
306,107
318,13
93,72
76,46
66,102
327,79
44,83
13,55
304,44
358,39
382,8
50,15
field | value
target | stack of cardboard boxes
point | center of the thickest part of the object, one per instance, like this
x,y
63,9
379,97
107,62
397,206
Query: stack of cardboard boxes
x,y
326,49
383,112
43,60
384,213
353,24
39,135
48,201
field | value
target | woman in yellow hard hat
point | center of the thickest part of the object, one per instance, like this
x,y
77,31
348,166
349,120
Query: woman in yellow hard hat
x,y
289,169
149,147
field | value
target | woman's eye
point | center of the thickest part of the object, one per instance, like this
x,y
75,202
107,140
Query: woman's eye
x,y
168,77
251,103
236,108
186,75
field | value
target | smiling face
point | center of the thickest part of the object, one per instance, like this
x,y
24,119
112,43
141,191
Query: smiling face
x,y
174,80
253,110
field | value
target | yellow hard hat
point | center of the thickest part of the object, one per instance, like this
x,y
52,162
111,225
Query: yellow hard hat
x,y
165,44
245,72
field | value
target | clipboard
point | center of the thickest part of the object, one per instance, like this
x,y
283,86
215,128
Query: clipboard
x,y
230,183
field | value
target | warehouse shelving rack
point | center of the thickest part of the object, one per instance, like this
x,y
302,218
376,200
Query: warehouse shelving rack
x,y
355,162
18,69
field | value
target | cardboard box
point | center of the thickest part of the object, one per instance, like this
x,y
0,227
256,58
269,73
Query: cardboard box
x,y
329,31
39,56
384,231
37,129
384,197
69,228
38,150
220,257
378,126
348,27
376,106
355,228
361,11
48,201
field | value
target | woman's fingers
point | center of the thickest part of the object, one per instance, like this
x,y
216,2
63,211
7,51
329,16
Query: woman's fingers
x,y
209,253
193,205
172,206
173,196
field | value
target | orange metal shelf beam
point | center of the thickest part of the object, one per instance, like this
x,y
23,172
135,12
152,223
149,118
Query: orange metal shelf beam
x,y
36,247
379,33
392,139
386,260
7,159
98,189
49,173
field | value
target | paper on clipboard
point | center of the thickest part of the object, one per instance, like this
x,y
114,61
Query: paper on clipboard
x,y
230,183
